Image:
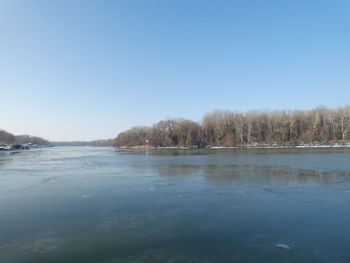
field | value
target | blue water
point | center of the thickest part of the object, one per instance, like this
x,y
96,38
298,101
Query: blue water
x,y
84,204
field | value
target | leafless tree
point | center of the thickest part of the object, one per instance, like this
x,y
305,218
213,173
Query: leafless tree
x,y
226,128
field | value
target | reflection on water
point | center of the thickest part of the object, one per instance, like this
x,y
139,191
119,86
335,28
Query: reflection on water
x,y
6,156
82,204
222,174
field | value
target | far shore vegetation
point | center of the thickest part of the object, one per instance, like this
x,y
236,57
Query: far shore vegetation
x,y
9,138
100,143
319,126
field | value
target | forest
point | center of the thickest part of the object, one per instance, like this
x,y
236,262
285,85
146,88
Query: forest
x,y
321,126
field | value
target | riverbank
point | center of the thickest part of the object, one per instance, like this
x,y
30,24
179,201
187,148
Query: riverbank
x,y
347,145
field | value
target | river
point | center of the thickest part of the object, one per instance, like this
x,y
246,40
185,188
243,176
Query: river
x,y
103,205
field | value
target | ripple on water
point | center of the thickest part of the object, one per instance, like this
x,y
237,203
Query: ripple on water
x,y
39,243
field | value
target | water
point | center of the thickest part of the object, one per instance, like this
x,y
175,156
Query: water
x,y
81,204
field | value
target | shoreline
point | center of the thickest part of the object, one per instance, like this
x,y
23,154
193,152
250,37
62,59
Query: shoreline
x,y
148,147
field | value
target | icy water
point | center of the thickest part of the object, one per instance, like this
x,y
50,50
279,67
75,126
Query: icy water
x,y
81,204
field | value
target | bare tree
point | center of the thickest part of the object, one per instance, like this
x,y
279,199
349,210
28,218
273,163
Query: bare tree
x,y
226,128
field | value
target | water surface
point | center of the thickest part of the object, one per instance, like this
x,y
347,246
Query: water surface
x,y
82,204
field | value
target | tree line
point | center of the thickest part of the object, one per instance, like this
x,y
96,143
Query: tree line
x,y
227,128
97,143
9,138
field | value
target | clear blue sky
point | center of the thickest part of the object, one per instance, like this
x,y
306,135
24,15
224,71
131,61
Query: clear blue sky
x,y
85,70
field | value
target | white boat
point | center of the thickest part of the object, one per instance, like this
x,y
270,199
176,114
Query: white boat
x,y
4,147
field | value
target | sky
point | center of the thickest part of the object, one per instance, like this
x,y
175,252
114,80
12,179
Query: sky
x,y
84,70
